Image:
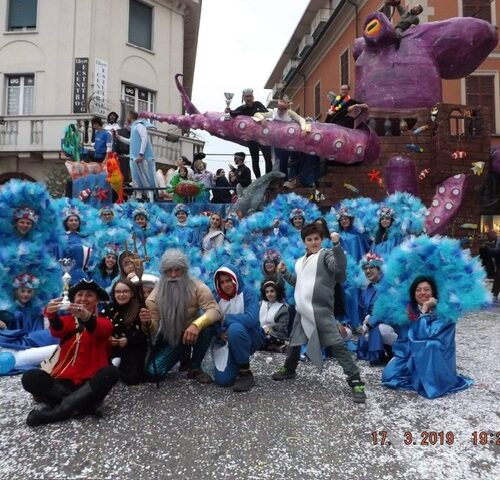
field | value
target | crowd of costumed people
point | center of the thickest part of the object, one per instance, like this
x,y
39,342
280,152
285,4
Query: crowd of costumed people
x,y
397,299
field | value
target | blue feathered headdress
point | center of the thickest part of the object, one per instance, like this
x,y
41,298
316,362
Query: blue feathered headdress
x,y
20,269
20,194
459,279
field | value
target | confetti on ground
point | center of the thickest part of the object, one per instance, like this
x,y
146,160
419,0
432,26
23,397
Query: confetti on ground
x,y
304,429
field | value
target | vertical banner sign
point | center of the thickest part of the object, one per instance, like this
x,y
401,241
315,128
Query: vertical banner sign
x,y
80,85
101,87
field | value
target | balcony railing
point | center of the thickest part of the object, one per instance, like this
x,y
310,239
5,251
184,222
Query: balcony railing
x,y
43,133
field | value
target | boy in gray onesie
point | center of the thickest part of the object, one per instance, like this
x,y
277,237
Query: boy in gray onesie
x,y
314,280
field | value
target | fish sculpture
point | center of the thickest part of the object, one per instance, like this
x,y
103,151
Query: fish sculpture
x,y
327,140
252,198
408,73
115,176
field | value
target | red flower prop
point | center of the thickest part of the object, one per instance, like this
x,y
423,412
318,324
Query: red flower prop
x,y
188,189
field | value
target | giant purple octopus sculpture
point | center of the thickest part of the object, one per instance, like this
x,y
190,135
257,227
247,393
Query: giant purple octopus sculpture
x,y
408,73
343,145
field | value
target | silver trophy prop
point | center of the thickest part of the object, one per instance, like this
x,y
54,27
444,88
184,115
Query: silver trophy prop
x,y
229,97
66,265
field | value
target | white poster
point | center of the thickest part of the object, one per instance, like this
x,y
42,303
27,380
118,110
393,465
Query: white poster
x,y
100,87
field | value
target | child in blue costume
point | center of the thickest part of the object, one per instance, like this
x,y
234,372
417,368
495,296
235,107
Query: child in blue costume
x,y
424,353
22,325
375,343
386,239
107,271
241,334
185,233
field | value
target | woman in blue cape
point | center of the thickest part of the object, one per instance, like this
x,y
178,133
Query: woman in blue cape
x,y
428,284
424,353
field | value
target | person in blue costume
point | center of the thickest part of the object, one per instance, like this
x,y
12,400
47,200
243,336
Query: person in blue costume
x,y
107,270
270,268
22,329
24,220
385,239
355,245
297,219
143,227
375,342
72,223
80,254
424,354
241,333
185,233
142,161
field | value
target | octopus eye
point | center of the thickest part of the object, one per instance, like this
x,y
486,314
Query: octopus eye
x,y
373,28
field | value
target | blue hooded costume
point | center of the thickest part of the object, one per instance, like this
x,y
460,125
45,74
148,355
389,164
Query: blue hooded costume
x,y
242,325
425,343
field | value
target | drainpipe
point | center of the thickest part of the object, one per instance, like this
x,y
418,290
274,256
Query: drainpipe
x,y
355,4
305,90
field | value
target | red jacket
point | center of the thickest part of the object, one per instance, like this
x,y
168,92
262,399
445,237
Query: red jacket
x,y
80,360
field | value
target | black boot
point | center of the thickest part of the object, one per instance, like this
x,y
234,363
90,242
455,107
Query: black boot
x,y
76,402
388,353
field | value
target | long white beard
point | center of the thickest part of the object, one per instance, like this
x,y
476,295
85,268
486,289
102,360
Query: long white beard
x,y
173,298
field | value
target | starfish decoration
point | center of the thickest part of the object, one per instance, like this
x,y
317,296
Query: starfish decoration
x,y
374,176
101,194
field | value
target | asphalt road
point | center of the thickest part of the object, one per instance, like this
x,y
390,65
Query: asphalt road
x,y
308,428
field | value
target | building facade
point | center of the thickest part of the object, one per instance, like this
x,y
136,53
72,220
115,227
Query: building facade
x,y
318,59
63,61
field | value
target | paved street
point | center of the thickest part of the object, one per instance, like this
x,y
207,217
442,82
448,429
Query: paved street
x,y
303,429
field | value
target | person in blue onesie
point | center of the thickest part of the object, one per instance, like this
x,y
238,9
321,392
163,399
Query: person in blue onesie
x,y
241,333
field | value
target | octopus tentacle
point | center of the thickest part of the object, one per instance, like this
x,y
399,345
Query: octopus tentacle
x,y
446,203
327,140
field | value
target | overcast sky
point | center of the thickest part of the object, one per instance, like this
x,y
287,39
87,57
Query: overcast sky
x,y
239,44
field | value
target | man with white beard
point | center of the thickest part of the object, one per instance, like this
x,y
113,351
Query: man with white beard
x,y
175,305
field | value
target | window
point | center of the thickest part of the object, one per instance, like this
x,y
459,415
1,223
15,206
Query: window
x,y
317,100
138,99
478,8
20,94
344,68
140,24
22,15
480,91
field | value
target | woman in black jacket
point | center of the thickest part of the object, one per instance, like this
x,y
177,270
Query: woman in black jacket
x,y
128,341
221,196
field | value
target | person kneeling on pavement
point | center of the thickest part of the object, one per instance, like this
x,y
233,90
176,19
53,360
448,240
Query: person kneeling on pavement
x,y
81,378
183,313
241,334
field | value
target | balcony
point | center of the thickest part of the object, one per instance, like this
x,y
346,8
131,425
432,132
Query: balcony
x,y
40,136
305,45
290,69
320,21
